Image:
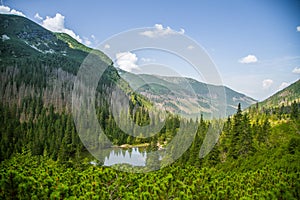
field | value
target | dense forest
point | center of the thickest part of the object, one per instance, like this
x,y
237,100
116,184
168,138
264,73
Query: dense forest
x,y
257,156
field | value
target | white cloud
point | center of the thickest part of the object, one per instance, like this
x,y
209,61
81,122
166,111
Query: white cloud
x,y
57,24
296,70
298,28
182,31
87,41
160,31
266,84
37,16
147,59
8,10
190,47
283,85
106,46
127,61
4,37
248,59
91,41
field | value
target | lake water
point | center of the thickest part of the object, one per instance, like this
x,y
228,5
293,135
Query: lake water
x,y
136,156
132,156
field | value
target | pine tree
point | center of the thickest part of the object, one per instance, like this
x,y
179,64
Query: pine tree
x,y
237,130
294,110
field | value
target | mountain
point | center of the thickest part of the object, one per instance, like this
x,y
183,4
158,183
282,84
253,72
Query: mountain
x,y
283,97
48,62
38,73
24,43
22,38
36,62
185,94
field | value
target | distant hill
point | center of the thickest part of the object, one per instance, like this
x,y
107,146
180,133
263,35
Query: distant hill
x,y
285,96
185,94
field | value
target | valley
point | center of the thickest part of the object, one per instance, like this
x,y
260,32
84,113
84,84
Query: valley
x,y
252,153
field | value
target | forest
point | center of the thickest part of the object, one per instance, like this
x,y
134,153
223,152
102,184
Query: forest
x,y
256,157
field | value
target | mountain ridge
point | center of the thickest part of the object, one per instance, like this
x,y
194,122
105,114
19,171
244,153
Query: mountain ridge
x,y
284,97
30,41
189,92
20,33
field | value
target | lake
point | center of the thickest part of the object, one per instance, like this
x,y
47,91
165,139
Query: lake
x,y
135,156
132,156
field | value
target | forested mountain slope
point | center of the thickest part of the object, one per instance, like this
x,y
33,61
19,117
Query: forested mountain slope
x,y
283,97
36,62
179,93
35,58
37,71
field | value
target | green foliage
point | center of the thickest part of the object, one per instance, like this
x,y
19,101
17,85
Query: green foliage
x,y
266,167
34,177
269,171
294,110
44,133
286,96
74,44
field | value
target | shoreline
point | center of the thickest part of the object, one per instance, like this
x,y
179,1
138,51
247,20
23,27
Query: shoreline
x,y
126,146
131,145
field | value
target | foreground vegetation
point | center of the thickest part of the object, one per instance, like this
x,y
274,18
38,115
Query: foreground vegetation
x,y
36,177
257,157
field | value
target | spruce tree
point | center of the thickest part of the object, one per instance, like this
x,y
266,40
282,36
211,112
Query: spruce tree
x,y
294,110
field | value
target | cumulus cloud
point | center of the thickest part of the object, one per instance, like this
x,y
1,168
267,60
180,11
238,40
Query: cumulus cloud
x,y
283,85
147,60
8,10
182,31
87,41
106,46
37,16
127,61
91,41
57,24
248,59
160,31
296,70
190,47
266,84
298,28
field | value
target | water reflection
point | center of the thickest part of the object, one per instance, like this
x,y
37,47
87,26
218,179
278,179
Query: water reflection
x,y
132,156
136,157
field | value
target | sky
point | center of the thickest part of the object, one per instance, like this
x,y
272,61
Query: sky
x,y
254,44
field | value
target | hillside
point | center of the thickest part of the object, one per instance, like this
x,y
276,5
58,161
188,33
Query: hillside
x,y
38,69
44,63
23,39
28,42
283,97
185,94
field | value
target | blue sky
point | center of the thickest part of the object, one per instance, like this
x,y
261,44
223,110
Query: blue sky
x,y
254,44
